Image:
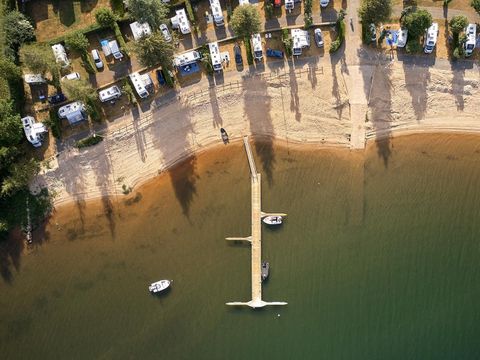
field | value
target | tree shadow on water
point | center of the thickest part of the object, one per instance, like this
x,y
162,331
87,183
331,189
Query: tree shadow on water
x,y
10,252
184,178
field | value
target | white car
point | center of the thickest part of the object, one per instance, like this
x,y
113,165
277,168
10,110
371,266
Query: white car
x,y
165,32
431,36
97,59
324,3
71,76
402,35
318,37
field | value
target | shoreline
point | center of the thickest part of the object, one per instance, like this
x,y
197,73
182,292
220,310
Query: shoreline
x,y
299,145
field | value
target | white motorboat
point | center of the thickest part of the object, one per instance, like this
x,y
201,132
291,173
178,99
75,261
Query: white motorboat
x,y
159,286
273,220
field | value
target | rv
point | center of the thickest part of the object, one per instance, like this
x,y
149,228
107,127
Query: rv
x,y
217,12
289,5
215,56
471,33
34,79
111,48
257,47
180,22
109,94
301,39
73,112
431,36
33,131
187,58
140,30
142,84
60,55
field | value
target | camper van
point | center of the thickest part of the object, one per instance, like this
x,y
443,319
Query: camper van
x,y
215,56
180,22
301,39
60,55
33,131
471,33
73,112
217,12
109,94
257,47
431,36
140,30
142,84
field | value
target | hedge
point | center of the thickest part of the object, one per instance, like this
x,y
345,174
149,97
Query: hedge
x,y
248,49
90,141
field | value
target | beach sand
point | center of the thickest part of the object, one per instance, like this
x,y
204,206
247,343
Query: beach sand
x,y
307,106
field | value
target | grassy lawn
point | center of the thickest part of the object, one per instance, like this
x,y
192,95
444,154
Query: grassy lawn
x,y
55,17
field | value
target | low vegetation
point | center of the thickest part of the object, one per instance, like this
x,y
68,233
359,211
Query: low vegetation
x,y
54,123
287,42
128,91
476,5
248,50
307,16
89,141
340,28
457,25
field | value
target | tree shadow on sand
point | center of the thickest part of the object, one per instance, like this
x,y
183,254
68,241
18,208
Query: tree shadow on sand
x,y
257,110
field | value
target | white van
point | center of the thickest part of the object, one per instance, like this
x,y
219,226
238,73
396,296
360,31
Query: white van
x,y
431,36
109,94
471,33
257,47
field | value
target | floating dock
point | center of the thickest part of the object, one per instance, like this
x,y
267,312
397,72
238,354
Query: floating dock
x,y
256,238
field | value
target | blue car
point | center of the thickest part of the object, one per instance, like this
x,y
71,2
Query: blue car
x,y
160,77
275,53
57,98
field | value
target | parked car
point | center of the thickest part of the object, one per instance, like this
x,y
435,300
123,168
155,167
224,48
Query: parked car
x,y
402,35
275,53
238,54
372,33
431,36
160,77
57,98
165,32
324,3
96,59
71,76
318,37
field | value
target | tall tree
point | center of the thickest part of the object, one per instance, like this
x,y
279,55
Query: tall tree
x,y
154,12
154,50
17,28
417,22
245,21
105,17
375,11
77,41
457,24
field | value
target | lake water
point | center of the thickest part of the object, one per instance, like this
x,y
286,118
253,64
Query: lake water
x,y
378,259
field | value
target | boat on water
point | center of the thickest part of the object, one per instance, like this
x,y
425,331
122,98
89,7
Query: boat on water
x,y
273,220
159,286
265,270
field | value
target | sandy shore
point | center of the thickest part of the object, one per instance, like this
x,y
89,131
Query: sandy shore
x,y
307,106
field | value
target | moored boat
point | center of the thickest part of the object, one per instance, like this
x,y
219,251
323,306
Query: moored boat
x,y
159,286
273,220
265,270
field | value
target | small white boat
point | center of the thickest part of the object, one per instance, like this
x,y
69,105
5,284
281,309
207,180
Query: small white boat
x,y
159,286
272,220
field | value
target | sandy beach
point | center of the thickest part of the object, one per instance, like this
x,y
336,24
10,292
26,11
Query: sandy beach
x,y
307,105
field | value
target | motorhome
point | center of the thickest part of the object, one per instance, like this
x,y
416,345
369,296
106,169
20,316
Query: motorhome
x,y
217,12
33,131
187,58
471,33
431,36
109,94
140,30
73,112
301,40
111,48
215,56
60,55
180,22
257,47
142,84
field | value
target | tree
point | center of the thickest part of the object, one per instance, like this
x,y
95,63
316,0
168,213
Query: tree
x,y
38,58
457,24
417,22
105,17
17,28
10,125
245,21
375,11
77,41
476,5
20,176
153,12
154,50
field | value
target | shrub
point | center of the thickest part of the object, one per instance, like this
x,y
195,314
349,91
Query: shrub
x,y
287,42
268,7
190,13
248,49
337,43
476,5
88,64
89,141
120,39
117,7
169,79
54,123
308,14
127,90
413,46
77,41
105,17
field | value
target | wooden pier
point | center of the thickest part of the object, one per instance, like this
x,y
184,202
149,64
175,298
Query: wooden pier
x,y
256,238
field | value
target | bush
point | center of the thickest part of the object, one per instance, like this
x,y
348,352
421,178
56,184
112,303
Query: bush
x,y
128,91
55,124
93,110
105,17
248,49
169,79
88,63
337,43
120,39
308,14
117,7
268,7
77,41
90,141
413,46
190,13
287,42
476,5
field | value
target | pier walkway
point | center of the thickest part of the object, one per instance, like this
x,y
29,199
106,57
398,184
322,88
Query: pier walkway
x,y
256,238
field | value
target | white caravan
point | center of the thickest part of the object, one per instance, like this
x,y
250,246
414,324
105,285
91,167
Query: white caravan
x,y
141,83
33,131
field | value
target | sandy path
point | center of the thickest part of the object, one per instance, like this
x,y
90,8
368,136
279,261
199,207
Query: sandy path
x,y
306,106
